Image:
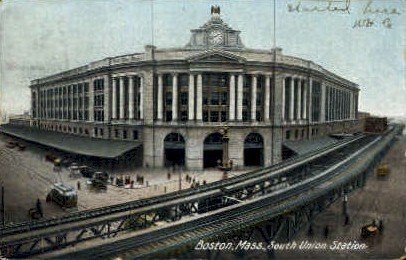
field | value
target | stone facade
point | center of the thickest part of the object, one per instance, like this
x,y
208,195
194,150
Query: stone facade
x,y
176,100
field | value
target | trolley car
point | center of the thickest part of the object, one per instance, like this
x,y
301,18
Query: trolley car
x,y
63,195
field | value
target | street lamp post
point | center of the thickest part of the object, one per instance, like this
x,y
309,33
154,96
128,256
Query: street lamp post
x,y
226,164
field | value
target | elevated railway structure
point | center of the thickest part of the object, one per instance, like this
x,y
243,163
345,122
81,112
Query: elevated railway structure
x,y
285,166
35,238
276,216
82,215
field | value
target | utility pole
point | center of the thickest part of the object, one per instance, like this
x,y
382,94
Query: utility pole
x,y
2,206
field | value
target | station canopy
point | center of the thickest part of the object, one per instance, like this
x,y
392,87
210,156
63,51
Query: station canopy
x,y
101,148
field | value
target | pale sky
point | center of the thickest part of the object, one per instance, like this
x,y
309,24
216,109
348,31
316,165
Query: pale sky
x,y
42,37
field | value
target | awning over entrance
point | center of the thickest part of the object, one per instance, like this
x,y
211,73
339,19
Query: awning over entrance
x,y
102,148
305,146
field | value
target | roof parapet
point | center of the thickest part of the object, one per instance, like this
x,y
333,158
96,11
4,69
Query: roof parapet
x,y
150,52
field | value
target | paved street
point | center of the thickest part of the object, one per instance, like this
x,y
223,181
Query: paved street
x,y
26,176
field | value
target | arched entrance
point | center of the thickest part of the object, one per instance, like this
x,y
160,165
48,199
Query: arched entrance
x,y
174,149
212,150
254,150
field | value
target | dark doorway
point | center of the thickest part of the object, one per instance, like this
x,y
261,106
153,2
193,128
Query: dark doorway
x,y
254,150
212,150
174,157
211,158
174,149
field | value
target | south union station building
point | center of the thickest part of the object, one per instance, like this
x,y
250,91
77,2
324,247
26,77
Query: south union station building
x,y
174,101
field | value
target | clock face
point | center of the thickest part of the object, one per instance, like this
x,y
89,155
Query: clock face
x,y
216,37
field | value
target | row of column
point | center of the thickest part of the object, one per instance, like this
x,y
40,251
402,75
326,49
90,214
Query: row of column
x,y
64,100
332,106
191,97
339,104
52,102
298,93
118,82
198,88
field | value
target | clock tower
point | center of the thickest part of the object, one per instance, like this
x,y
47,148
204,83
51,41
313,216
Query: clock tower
x,y
215,34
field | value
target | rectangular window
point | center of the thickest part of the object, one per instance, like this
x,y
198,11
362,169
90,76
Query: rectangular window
x,y
205,80
295,98
223,116
183,116
214,98
245,99
183,80
168,98
214,116
316,98
247,81
258,115
126,97
259,99
287,135
244,115
183,98
168,116
135,135
116,133
205,100
124,134
223,98
205,116
287,98
167,80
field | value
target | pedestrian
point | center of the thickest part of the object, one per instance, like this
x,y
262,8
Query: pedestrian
x,y
39,208
78,184
380,227
347,220
326,231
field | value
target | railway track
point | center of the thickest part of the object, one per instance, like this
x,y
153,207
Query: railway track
x,y
13,156
88,214
31,238
189,232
